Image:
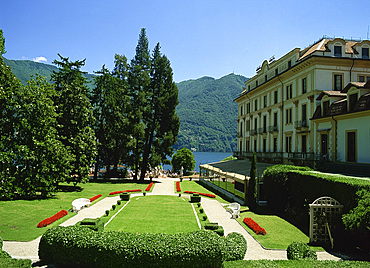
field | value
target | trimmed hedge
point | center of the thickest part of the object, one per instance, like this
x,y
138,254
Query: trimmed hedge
x,y
295,263
93,224
7,261
235,247
300,251
82,247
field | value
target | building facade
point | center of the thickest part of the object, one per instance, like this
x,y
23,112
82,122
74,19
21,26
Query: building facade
x,y
276,106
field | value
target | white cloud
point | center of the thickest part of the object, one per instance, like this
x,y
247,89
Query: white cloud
x,y
40,59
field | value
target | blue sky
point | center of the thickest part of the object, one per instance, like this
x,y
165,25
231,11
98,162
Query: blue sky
x,y
201,38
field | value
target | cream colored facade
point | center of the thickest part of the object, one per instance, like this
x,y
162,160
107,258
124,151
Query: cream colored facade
x,y
276,105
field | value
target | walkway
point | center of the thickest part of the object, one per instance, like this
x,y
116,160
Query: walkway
x,y
213,209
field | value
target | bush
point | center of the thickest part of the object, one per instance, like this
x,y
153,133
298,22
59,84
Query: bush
x,y
107,213
125,196
86,248
300,251
198,205
220,230
93,224
205,217
1,243
4,254
201,210
235,247
211,226
118,202
15,263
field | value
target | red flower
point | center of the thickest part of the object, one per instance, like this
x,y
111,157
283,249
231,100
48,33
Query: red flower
x,y
116,192
129,191
178,186
254,226
208,195
95,197
149,187
52,219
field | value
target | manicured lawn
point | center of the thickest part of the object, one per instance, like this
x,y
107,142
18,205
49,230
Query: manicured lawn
x,y
155,214
279,233
19,218
196,187
293,264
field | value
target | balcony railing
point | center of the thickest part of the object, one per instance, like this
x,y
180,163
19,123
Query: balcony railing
x,y
303,156
253,132
301,124
273,129
240,134
262,130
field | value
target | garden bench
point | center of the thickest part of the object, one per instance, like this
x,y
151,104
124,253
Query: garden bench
x,y
80,203
234,209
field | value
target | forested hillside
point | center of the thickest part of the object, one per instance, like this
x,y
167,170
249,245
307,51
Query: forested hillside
x,y
206,109
208,114
23,69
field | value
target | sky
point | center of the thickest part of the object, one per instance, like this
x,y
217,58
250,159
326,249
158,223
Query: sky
x,y
200,38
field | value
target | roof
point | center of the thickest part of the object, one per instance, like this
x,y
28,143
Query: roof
x,y
331,93
357,85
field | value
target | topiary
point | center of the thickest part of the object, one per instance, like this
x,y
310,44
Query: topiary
x,y
118,202
107,213
201,210
113,207
299,251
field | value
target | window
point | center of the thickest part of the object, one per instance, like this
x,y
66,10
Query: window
x,y
365,53
276,72
288,144
255,105
304,143
325,106
247,146
241,110
248,107
257,83
275,120
289,64
264,145
275,96
304,115
255,145
288,114
338,82
289,92
266,78
264,101
249,87
264,124
275,145
337,51
363,78
241,129
351,146
255,123
352,101
304,85
247,125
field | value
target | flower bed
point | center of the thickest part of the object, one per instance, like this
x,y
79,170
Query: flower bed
x,y
52,219
125,191
254,226
178,186
208,195
149,186
95,197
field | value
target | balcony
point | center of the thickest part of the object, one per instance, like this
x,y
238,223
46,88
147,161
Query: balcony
x,y
301,124
303,156
262,130
253,132
240,135
273,129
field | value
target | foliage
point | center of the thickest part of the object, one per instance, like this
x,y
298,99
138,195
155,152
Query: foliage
x,y
110,102
299,251
116,249
252,185
208,114
154,96
75,117
294,263
2,43
235,247
229,158
359,217
183,158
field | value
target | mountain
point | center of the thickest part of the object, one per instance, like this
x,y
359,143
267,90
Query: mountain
x,y
23,69
208,114
206,109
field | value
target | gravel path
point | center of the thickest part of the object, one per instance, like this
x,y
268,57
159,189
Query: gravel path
x,y
213,209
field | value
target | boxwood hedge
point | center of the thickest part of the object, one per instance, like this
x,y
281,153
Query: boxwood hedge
x,y
82,247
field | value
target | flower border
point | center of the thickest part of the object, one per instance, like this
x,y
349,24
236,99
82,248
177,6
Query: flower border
x,y
254,226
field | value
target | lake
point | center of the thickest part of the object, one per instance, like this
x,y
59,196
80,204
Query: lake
x,y
204,158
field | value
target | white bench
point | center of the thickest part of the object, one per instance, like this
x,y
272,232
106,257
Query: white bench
x,y
80,203
234,209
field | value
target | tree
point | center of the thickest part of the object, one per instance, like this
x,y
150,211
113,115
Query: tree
x,y
252,191
154,97
183,158
110,111
75,117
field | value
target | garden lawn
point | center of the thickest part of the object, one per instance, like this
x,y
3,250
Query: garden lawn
x,y
196,187
19,218
155,214
279,233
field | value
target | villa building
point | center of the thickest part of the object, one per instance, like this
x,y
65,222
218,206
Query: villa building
x,y
310,105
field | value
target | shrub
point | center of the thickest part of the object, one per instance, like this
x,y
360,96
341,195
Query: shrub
x,y
95,197
107,213
15,263
220,230
52,219
86,248
235,247
203,194
198,205
254,226
113,207
4,254
93,224
205,217
299,251
149,186
125,196
211,226
118,202
201,210
1,243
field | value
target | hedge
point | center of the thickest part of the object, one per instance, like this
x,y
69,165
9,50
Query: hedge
x,y
82,247
235,247
295,263
300,251
7,261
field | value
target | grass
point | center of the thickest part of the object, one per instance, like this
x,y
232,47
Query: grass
x,y
19,218
279,233
293,264
155,214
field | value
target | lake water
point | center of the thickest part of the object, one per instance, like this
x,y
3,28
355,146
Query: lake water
x,y
204,158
